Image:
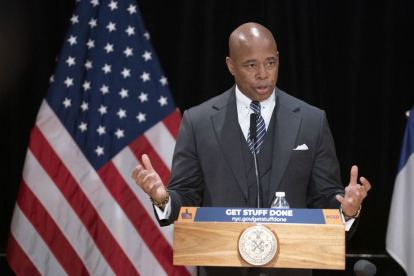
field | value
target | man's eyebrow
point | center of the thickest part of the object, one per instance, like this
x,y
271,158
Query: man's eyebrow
x,y
271,58
250,60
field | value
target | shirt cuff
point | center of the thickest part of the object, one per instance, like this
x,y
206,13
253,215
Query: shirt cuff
x,y
348,223
166,213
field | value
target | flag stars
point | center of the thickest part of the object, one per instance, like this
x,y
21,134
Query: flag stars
x,y
72,40
123,93
90,44
74,19
67,102
88,64
147,35
163,81
163,101
86,85
121,113
101,130
113,5
119,133
93,23
143,97
95,2
145,76
141,117
68,82
107,68
104,89
109,48
99,151
132,9
147,55
126,73
103,109
130,31
111,27
83,126
70,61
128,52
84,106
52,79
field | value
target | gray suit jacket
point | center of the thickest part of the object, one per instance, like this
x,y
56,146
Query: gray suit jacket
x,y
208,168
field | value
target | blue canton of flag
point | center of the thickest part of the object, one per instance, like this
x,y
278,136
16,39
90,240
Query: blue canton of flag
x,y
108,87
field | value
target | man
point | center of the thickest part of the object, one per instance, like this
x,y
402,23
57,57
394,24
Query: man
x,y
213,160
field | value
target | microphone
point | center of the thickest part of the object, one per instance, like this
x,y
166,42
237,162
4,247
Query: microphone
x,y
365,268
253,138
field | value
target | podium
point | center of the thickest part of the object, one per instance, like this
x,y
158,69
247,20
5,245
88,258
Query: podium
x,y
251,237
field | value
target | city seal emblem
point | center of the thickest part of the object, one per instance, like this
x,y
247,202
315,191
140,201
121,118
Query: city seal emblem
x,y
258,245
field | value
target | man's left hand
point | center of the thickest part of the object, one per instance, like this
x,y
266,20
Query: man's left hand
x,y
354,193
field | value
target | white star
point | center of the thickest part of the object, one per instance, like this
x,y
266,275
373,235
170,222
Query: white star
x,y
52,78
111,26
74,19
70,61
107,68
84,106
86,85
126,73
121,113
147,56
119,133
90,44
143,97
95,2
88,64
104,89
83,126
128,52
145,76
99,150
103,109
163,81
130,31
67,102
93,23
109,48
162,101
68,82
72,40
123,93
101,130
132,9
141,117
147,35
113,5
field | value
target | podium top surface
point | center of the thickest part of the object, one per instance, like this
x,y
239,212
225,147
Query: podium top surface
x,y
260,215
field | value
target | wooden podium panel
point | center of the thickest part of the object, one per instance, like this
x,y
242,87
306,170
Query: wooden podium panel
x,y
312,246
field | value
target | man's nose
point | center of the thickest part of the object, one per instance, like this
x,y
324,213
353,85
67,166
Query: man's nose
x,y
262,72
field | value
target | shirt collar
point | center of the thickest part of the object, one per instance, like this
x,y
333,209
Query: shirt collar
x,y
243,101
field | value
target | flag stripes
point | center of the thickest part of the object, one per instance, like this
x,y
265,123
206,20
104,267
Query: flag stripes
x,y
20,264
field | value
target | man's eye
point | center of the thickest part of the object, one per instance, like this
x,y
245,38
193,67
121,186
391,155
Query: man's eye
x,y
271,63
250,65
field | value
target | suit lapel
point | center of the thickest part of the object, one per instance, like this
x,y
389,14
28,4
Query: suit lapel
x,y
227,129
287,125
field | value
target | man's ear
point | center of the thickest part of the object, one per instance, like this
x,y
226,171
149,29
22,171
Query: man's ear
x,y
230,65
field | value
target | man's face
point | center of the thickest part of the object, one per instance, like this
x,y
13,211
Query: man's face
x,y
255,67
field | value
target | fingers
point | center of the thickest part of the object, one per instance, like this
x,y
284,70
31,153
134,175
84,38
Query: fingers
x,y
354,176
365,183
340,198
147,163
136,171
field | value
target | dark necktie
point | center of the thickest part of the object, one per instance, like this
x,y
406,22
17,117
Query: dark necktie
x,y
261,127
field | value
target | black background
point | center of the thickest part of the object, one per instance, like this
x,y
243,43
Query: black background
x,y
354,59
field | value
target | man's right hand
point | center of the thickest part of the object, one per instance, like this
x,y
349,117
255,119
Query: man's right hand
x,y
149,180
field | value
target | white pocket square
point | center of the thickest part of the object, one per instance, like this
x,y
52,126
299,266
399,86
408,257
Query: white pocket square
x,y
302,147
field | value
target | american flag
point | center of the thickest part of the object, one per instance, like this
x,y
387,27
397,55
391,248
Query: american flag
x,y
78,211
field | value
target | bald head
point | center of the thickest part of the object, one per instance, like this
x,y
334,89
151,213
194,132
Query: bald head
x,y
253,60
247,34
